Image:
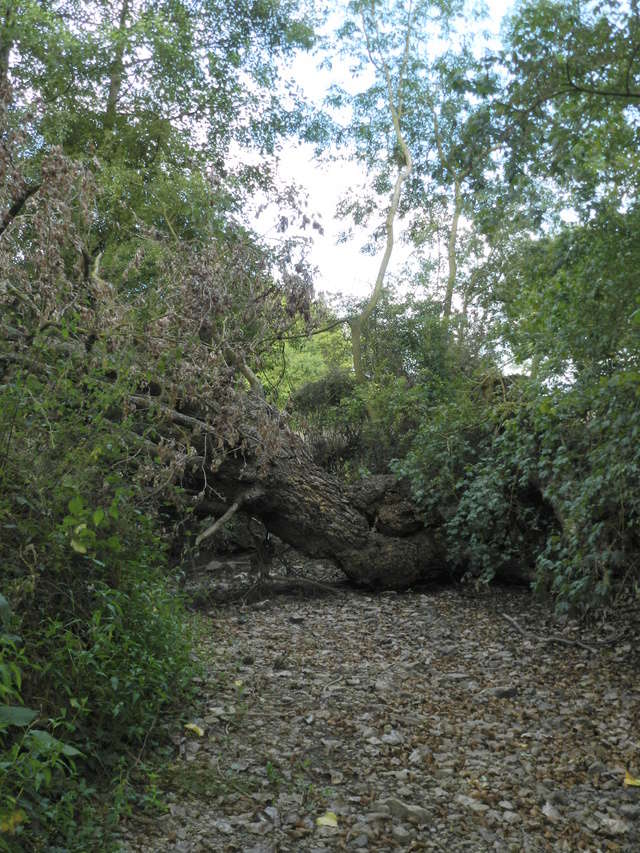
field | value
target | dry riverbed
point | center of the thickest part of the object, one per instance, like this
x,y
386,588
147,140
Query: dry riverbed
x,y
420,721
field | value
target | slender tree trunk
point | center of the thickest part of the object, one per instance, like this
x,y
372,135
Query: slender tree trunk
x,y
451,253
358,322
395,108
7,20
117,68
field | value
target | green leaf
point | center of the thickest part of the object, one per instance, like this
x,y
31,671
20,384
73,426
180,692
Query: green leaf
x,y
16,715
49,743
75,505
630,781
327,819
78,547
5,611
98,517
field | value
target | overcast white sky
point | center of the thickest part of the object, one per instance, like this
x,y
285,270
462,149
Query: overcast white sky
x,y
341,268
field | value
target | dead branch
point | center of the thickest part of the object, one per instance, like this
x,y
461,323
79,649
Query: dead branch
x,y
17,206
554,638
222,520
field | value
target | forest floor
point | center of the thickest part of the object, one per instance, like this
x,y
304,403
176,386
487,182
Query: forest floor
x,y
443,719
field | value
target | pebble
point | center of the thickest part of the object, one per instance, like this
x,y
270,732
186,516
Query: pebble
x,y
551,812
400,832
471,803
505,692
406,811
511,817
393,738
614,826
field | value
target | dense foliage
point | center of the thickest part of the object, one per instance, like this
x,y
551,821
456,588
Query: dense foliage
x,y
531,474
123,272
501,377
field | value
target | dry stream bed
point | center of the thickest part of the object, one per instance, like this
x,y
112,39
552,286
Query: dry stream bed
x,y
421,721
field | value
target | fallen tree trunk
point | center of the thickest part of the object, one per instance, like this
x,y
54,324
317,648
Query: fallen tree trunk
x,y
371,532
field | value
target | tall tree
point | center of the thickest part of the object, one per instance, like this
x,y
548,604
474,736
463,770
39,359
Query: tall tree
x,y
151,95
389,53
566,200
425,128
573,98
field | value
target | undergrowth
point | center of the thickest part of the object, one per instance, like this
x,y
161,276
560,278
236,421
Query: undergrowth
x,y
95,643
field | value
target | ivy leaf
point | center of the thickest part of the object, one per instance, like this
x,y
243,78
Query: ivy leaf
x,y
75,505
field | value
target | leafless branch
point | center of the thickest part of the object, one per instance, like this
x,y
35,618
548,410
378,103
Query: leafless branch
x,y
17,206
554,638
245,497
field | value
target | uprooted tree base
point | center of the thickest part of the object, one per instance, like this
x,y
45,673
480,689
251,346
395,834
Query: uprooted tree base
x,y
371,531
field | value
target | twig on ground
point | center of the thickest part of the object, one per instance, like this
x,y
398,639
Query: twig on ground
x,y
325,689
554,638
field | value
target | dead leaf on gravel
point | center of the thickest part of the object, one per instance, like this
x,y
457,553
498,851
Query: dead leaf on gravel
x,y
346,725
195,728
328,819
550,812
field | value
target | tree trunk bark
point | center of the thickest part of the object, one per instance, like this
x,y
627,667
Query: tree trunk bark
x,y
377,539
451,253
406,166
308,508
7,22
117,69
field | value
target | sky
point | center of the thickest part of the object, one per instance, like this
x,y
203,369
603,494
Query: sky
x,y
341,268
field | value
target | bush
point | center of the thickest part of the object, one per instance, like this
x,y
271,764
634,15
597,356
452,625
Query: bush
x,y
537,482
590,464
98,642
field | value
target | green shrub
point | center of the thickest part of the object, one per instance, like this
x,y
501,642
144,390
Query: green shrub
x,y
537,482
98,643
590,464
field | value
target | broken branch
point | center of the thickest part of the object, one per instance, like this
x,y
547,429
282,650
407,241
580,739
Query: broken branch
x,y
244,498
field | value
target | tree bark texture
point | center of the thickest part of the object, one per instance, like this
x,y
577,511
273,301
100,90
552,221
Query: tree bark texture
x,y
371,531
117,68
